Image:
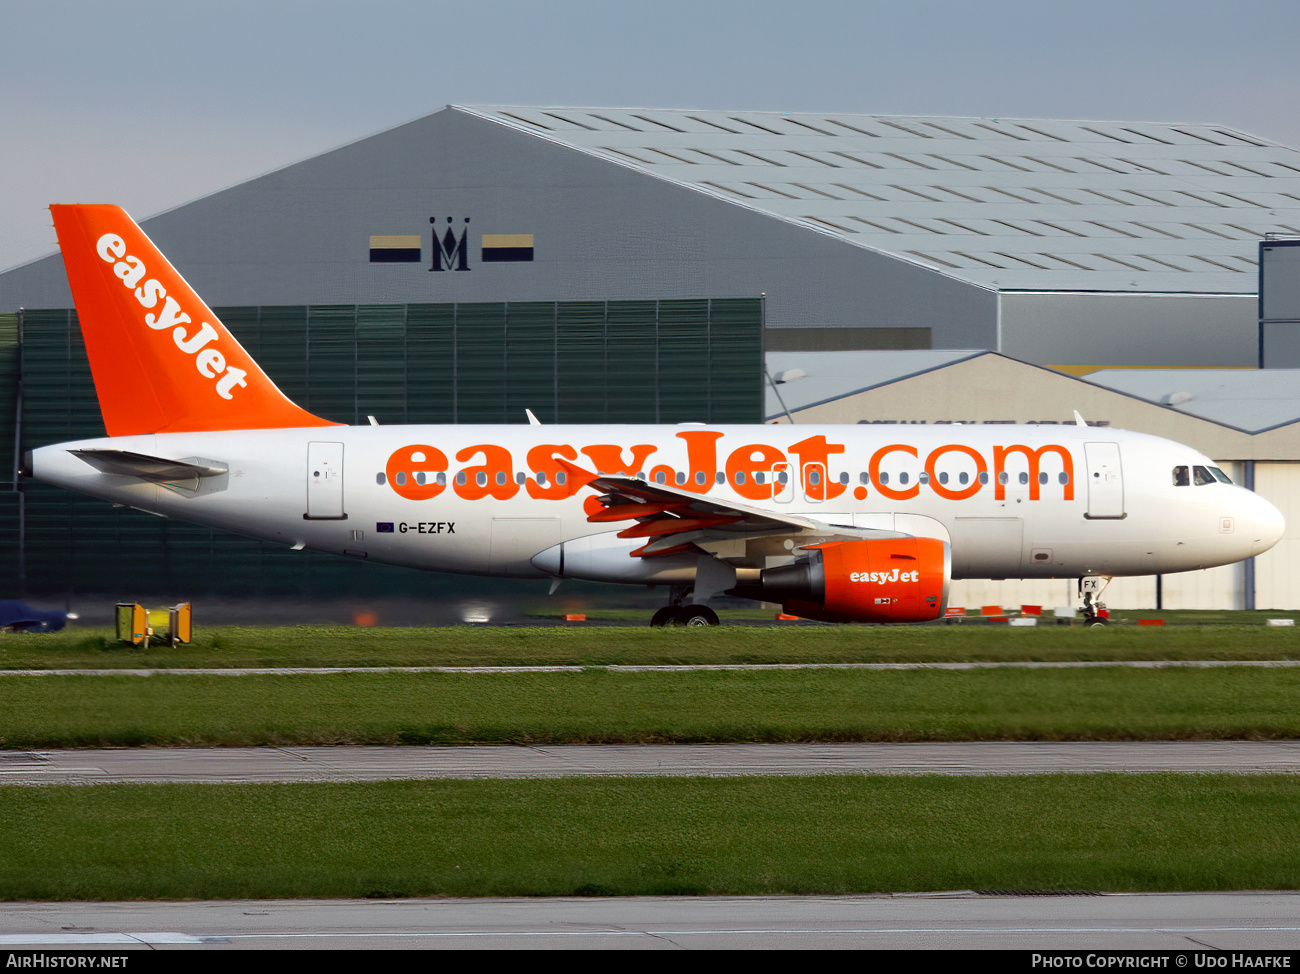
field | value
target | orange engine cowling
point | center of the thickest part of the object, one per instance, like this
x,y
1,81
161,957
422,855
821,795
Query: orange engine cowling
x,y
878,580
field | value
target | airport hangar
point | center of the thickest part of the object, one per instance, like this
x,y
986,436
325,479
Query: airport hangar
x,y
1247,420
635,265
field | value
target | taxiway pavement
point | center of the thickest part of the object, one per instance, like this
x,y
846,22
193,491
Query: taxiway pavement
x,y
1191,924
368,763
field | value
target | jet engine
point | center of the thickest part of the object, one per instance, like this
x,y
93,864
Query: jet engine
x,y
872,580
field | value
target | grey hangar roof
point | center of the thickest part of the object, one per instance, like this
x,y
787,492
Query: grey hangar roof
x,y
1058,242
1247,399
797,380
1010,204
1229,413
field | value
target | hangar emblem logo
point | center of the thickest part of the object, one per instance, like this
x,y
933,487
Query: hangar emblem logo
x,y
450,252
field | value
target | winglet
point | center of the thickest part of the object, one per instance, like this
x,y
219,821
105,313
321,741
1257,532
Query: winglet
x,y
578,477
161,360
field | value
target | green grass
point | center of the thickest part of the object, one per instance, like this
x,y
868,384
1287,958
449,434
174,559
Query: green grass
x,y
640,837
596,645
656,836
599,706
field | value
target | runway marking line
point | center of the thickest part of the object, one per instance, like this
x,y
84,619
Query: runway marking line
x,y
649,668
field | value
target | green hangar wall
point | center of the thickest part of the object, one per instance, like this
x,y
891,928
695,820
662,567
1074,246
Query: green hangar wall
x,y
569,362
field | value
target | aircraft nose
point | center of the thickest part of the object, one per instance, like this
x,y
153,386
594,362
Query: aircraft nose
x,y
1264,523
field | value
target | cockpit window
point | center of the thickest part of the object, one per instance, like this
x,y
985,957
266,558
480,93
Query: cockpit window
x,y
1181,478
1202,476
1220,476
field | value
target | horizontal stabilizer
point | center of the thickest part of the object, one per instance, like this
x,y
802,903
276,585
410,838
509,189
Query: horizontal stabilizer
x,y
156,470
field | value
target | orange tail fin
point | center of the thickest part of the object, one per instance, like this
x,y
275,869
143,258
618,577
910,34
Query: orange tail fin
x,y
161,360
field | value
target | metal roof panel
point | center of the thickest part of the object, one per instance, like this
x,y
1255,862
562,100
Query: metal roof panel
x,y
1041,204
1248,399
824,376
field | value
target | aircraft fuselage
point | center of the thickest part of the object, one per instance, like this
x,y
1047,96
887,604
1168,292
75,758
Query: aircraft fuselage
x,y
1014,501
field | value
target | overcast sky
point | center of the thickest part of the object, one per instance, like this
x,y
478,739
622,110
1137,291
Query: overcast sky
x,y
151,104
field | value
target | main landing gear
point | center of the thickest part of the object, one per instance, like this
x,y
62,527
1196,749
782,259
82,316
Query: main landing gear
x,y
677,613
685,615
1094,610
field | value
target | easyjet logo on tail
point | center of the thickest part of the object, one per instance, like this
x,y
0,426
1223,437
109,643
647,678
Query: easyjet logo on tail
x,y
161,360
208,361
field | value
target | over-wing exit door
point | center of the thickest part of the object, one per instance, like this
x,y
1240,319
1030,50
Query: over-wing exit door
x,y
325,481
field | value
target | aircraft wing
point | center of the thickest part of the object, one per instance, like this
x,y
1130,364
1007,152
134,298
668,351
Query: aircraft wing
x,y
673,520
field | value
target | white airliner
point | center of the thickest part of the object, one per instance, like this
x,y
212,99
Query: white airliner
x,y
840,523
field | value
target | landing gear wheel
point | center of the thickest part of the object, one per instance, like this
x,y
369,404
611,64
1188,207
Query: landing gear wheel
x,y
696,615
665,617
1094,610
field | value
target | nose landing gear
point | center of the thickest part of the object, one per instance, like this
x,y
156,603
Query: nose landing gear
x,y
1094,610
